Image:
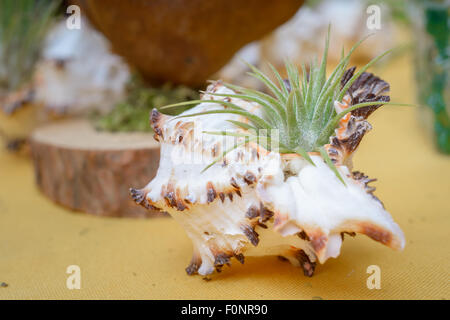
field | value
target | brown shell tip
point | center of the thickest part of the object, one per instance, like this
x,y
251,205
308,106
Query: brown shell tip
x,y
302,235
365,180
367,87
251,234
376,233
264,213
252,212
249,178
221,258
306,264
193,267
240,257
211,193
234,184
351,234
155,118
137,195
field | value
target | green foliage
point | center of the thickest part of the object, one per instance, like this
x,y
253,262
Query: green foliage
x,y
132,114
23,26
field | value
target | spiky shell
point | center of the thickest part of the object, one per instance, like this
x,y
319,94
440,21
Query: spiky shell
x,y
256,202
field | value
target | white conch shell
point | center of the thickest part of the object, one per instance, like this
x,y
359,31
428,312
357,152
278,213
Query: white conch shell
x,y
254,201
79,73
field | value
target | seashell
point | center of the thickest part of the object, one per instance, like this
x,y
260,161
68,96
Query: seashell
x,y
79,73
258,202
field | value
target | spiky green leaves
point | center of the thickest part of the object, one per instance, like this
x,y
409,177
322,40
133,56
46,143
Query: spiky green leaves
x,y
23,25
301,108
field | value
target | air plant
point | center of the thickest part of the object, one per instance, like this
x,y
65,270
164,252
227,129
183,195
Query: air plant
x,y
23,26
295,198
302,111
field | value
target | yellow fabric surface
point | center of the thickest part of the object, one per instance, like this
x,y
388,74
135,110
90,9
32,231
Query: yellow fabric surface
x,y
145,259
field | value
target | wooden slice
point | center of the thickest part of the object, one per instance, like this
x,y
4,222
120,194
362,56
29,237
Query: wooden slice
x,y
90,171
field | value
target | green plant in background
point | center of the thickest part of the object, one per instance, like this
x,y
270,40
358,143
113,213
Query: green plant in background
x,y
132,114
301,109
23,26
432,22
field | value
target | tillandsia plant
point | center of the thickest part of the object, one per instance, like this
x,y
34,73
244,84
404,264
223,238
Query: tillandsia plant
x,y
23,26
295,198
302,111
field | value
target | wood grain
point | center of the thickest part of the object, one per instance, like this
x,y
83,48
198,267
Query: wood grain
x,y
91,171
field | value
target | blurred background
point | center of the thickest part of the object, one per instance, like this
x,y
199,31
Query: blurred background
x,y
85,74
79,78
113,61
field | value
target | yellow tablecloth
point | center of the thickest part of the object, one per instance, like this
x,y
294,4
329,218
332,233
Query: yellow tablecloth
x,y
126,258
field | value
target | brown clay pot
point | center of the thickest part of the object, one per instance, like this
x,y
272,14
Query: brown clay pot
x,y
184,41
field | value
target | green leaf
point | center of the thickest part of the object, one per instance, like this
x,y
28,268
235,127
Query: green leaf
x,y
272,112
242,125
301,110
342,65
277,104
333,123
363,69
304,82
293,75
304,154
228,133
280,80
291,109
255,119
330,164
338,117
321,102
186,103
318,85
269,84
